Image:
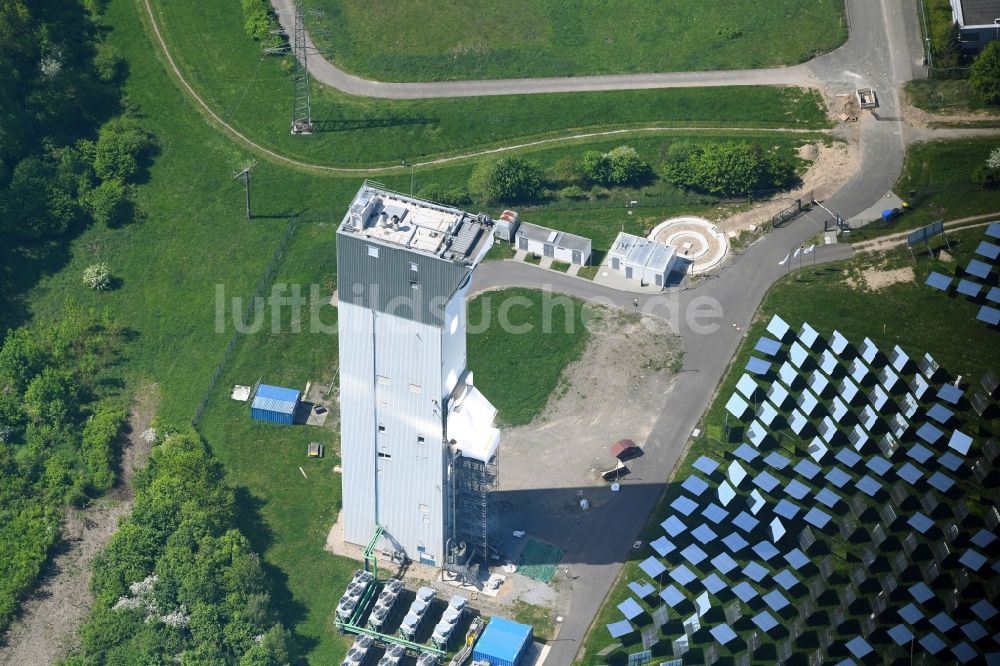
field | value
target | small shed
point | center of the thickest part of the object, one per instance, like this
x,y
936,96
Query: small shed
x,y
275,404
642,259
506,227
553,244
503,643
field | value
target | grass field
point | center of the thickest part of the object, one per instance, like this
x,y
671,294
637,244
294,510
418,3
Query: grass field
x,y
254,94
426,40
940,174
518,372
916,317
949,96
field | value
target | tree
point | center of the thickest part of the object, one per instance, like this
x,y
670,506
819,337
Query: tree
x,y
729,169
626,167
509,179
595,166
50,398
984,79
993,161
121,144
108,203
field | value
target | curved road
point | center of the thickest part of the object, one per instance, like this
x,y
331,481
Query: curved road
x,y
882,51
325,72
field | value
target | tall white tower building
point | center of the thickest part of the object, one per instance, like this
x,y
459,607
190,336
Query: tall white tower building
x,y
418,445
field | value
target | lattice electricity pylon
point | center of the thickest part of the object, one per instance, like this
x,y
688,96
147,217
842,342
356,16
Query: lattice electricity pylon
x,y
298,47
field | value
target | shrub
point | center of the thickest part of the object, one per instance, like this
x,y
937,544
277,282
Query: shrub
x,y
108,203
509,179
449,196
984,79
986,177
733,168
97,276
619,166
100,433
573,192
121,144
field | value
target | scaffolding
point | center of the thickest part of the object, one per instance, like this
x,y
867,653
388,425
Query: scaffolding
x,y
476,485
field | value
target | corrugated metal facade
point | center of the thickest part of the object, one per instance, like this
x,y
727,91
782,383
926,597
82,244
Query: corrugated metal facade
x,y
395,376
386,283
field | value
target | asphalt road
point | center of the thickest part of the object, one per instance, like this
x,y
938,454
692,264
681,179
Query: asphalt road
x,y
327,73
883,52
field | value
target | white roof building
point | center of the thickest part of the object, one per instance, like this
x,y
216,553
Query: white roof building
x,y
642,259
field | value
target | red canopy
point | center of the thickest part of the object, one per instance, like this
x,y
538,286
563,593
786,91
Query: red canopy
x,y
623,447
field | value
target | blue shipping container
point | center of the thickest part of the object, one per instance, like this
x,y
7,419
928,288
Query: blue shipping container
x,y
503,643
275,404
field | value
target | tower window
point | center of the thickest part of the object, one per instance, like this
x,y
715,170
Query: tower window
x,y
416,388
385,456
373,251
413,267
381,428
420,439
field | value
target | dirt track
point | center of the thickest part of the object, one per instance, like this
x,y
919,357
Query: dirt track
x,y
46,629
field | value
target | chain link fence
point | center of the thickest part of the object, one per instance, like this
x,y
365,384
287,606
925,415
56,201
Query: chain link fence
x,y
263,284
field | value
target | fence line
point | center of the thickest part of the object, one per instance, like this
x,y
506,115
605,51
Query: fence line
x,y
258,298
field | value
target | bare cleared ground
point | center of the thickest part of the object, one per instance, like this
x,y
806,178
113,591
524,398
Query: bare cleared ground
x,y
616,390
875,279
46,630
831,166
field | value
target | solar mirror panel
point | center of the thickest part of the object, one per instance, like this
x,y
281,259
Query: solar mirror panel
x,y
932,643
978,268
798,354
847,457
620,628
682,575
968,288
652,567
723,563
705,465
765,481
878,397
910,473
777,327
919,452
703,533
973,630
767,346
806,469
715,513
777,394
755,572
868,350
671,595
928,366
899,359
939,281
756,433
827,497
776,460
838,343
744,591
662,545
827,362
757,502
929,433
694,485
988,250
817,382
808,401
777,529
787,373
857,370
940,413
745,521
713,583
950,393
898,423
817,518
848,389
858,437
989,315
786,509
767,413
684,504
808,335
888,378
797,422
746,452
993,230
817,449
747,386
630,608
737,406
673,525
878,464
758,366
993,295
960,442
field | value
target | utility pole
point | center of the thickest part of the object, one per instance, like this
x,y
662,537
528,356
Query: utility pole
x,y
301,94
244,175
301,100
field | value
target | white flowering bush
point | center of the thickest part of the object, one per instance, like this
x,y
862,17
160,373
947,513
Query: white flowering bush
x,y
97,276
993,161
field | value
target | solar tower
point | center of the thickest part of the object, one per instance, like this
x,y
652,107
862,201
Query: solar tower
x,y
419,449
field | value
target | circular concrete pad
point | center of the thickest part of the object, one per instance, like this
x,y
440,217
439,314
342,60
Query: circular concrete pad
x,y
695,239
